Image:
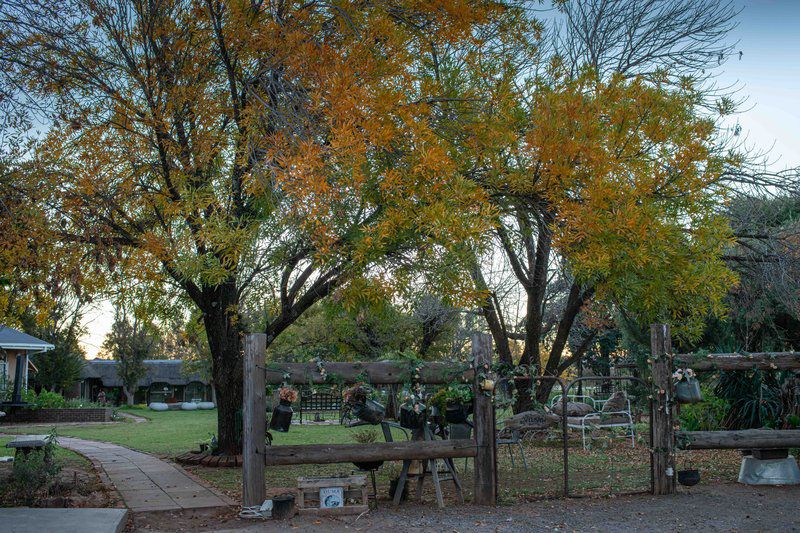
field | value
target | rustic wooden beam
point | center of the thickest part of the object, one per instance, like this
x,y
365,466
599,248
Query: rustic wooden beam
x,y
253,421
378,373
376,451
484,421
741,439
663,450
736,361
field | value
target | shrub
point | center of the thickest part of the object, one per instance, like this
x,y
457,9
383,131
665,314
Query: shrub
x,y
34,473
708,415
50,400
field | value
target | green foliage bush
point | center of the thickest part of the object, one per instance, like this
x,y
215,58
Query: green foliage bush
x,y
708,415
50,400
33,474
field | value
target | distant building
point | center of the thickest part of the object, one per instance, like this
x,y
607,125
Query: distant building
x,y
17,346
163,382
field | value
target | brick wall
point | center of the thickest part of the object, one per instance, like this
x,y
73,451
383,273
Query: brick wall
x,y
93,414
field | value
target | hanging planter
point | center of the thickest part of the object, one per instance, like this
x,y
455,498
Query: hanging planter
x,y
457,413
412,416
687,388
689,478
369,411
282,414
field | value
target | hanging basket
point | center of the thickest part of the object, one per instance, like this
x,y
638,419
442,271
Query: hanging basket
x,y
281,417
370,412
688,391
457,413
411,419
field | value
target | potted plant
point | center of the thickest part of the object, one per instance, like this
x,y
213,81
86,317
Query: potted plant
x,y
412,412
365,437
363,407
282,414
687,388
455,401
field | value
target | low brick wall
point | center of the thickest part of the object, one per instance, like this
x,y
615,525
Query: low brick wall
x,y
34,416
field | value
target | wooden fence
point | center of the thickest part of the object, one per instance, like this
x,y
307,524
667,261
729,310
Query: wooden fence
x,y
666,439
257,455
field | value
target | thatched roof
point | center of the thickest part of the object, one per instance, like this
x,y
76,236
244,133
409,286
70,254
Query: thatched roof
x,y
158,371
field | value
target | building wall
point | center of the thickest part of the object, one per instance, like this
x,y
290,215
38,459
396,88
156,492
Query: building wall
x,y
11,368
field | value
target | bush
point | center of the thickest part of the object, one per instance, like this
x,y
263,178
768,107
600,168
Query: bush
x,y
50,400
708,415
78,403
33,474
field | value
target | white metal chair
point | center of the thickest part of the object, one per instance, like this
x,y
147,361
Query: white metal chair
x,y
604,420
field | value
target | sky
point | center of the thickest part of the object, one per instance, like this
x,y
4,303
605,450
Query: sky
x,y
768,75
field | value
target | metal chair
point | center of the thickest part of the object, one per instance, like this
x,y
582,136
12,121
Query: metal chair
x,y
514,440
461,431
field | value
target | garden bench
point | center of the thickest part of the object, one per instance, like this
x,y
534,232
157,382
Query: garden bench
x,y
25,444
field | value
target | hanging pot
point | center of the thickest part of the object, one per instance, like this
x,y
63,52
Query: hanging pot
x,y
281,417
368,465
370,412
689,478
688,391
456,413
410,419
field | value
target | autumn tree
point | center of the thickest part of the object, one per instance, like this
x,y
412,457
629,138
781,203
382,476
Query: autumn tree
x,y
253,154
600,148
129,343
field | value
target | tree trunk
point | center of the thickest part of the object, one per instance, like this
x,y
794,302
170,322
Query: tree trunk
x,y
128,396
223,330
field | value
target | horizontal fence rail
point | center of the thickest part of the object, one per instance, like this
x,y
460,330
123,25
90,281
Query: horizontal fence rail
x,y
378,373
738,440
737,361
376,451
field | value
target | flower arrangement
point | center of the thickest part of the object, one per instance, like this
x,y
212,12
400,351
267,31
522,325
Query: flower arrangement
x,y
683,374
287,394
454,393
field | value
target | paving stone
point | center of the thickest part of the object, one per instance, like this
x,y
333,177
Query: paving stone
x,y
145,482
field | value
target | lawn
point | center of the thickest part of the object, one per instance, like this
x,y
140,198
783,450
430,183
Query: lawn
x,y
611,467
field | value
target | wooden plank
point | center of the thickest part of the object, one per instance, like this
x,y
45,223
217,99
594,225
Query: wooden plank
x,y
375,451
334,511
663,446
319,483
741,439
254,421
377,373
736,361
486,458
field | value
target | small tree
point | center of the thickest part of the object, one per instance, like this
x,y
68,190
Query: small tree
x,y
130,343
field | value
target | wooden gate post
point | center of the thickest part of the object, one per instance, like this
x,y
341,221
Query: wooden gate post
x,y
486,459
662,459
254,420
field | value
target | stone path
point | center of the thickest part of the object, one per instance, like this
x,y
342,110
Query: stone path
x,y
137,419
144,482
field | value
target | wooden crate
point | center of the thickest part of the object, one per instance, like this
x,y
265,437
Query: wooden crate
x,y
353,487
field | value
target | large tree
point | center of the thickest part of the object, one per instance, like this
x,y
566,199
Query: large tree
x,y
604,159
249,153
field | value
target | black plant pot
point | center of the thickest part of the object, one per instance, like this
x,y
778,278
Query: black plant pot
x,y
689,478
283,507
410,419
368,465
457,413
370,412
281,417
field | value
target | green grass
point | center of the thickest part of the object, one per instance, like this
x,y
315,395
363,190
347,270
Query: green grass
x,y
611,467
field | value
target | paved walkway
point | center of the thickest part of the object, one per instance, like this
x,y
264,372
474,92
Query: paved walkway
x,y
145,482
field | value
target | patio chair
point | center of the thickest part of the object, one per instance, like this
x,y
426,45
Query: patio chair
x,y
514,441
461,431
611,415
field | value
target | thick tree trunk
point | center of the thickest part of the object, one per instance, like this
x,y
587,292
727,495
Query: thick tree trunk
x,y
128,396
222,325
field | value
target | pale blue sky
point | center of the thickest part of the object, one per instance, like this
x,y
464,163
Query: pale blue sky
x,y
768,74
